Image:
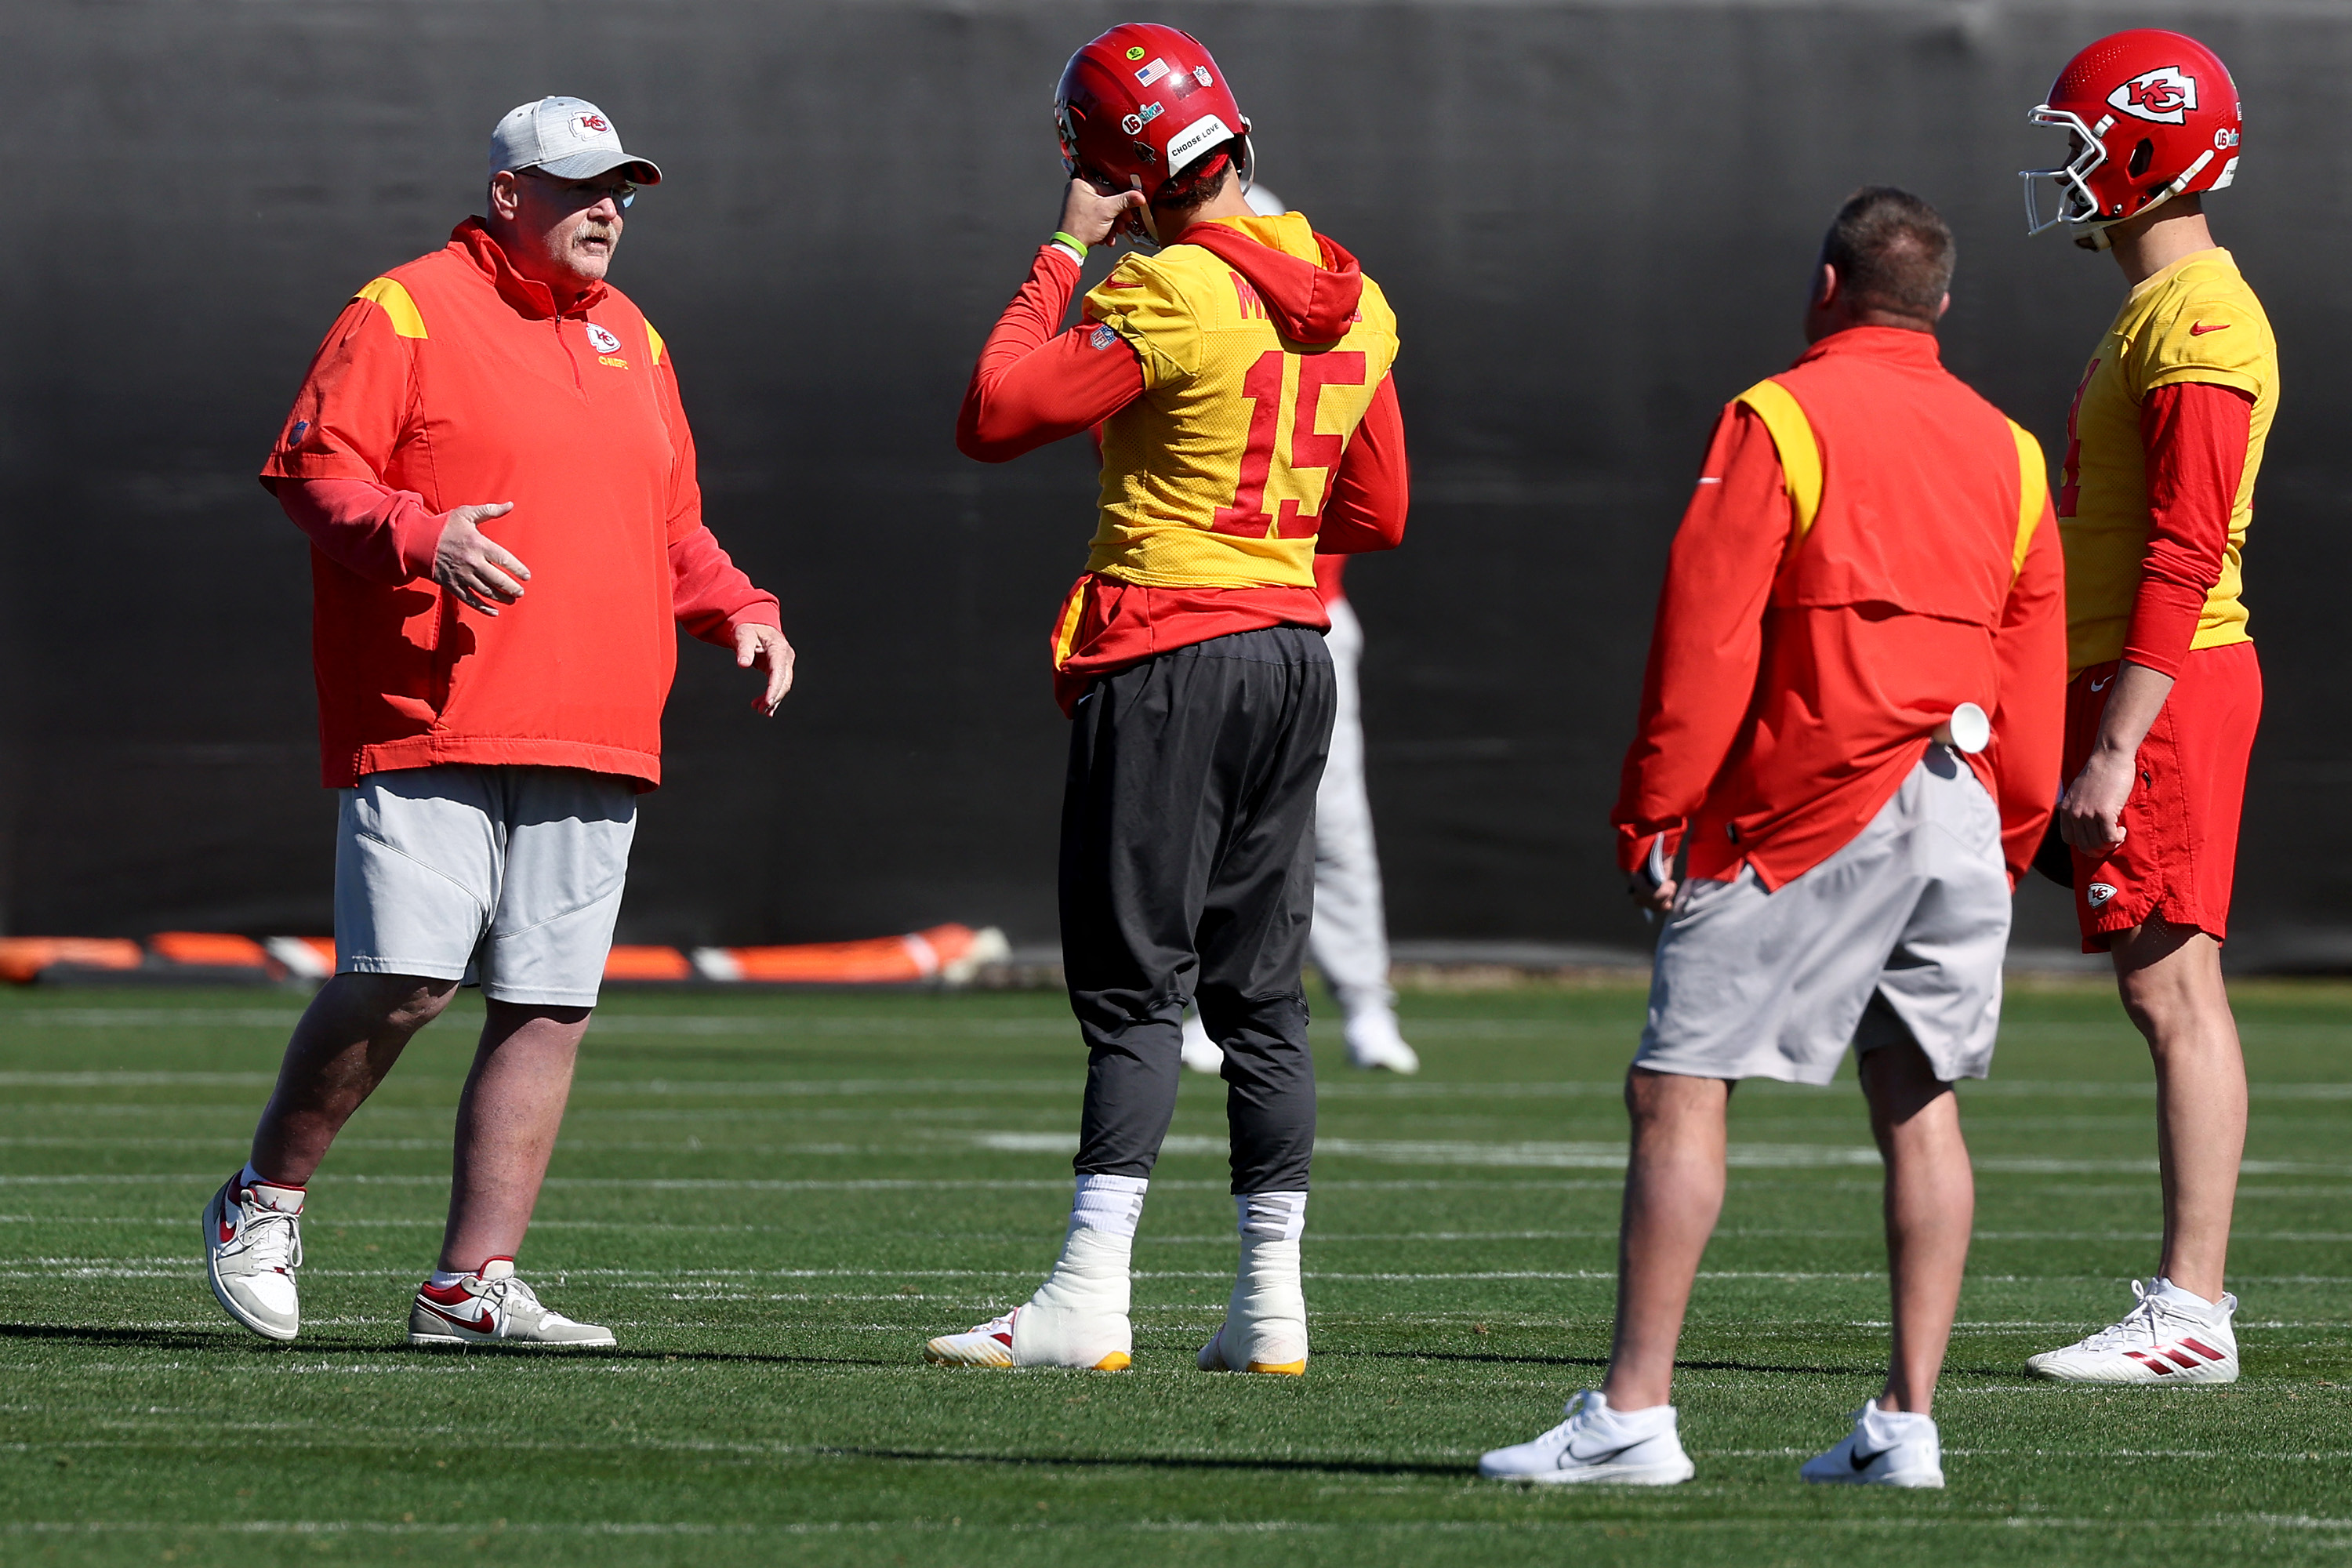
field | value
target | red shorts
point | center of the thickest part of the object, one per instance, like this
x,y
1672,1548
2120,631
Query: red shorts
x,y
2179,853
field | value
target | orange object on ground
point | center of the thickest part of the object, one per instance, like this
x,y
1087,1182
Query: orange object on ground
x,y
647,964
950,953
213,950
22,958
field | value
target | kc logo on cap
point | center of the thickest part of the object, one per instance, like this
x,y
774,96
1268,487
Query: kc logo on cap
x,y
569,137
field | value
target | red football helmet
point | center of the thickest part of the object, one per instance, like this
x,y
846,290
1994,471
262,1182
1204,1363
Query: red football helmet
x,y
2154,115
1141,103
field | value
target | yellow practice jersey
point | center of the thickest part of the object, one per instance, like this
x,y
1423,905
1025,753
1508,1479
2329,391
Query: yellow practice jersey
x,y
2195,320
1216,476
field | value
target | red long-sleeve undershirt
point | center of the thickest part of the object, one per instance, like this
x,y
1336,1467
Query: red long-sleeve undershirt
x,y
1035,386
387,536
2195,434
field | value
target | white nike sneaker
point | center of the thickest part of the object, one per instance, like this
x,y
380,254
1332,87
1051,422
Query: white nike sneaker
x,y
1202,1054
2171,1337
1077,1319
1375,1043
253,1244
494,1307
1636,1449
1885,1448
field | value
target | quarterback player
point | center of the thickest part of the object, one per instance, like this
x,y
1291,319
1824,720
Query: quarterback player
x,y
1237,377
2163,442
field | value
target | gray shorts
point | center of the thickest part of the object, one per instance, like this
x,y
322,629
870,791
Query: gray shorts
x,y
1898,936
506,877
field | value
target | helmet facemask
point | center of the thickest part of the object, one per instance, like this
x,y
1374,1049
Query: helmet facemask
x,y
2086,152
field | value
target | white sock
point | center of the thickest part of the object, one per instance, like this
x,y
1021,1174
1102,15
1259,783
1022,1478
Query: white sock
x,y
1111,1205
283,1196
1276,1216
1649,1418
442,1279
1883,1427
2178,1297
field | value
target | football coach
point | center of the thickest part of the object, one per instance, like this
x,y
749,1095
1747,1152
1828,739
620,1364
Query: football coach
x,y
492,463
1851,732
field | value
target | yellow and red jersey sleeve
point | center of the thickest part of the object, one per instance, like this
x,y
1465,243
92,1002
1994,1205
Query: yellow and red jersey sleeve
x,y
2194,323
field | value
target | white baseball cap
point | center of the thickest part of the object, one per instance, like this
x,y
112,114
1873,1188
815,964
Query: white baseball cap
x,y
570,138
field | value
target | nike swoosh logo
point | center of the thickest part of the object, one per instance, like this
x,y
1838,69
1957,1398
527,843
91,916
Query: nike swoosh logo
x,y
1862,1461
483,1324
2198,328
2103,685
227,1233
1599,1459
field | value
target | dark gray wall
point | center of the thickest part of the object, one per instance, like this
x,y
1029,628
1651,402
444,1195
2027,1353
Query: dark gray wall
x,y
1595,221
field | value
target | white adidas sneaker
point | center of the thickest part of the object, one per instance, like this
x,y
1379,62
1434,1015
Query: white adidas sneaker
x,y
253,1244
1077,1319
494,1307
1202,1054
1376,1044
1636,1447
2171,1337
1885,1448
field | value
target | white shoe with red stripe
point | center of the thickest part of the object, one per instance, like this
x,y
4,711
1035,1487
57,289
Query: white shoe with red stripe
x,y
2172,1337
494,1307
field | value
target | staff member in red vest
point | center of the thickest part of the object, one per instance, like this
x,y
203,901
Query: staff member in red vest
x,y
1851,729
490,460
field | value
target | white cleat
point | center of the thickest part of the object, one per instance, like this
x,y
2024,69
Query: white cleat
x,y
2169,1337
991,1344
1077,1319
1885,1448
1202,1054
252,1247
494,1307
1375,1044
1637,1448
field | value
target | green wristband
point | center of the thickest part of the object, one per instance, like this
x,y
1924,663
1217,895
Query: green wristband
x,y
1073,241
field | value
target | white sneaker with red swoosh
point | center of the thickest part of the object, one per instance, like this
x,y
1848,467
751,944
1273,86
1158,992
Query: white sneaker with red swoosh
x,y
494,1307
253,1244
2171,1337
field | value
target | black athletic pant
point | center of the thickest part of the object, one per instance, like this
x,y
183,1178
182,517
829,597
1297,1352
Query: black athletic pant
x,y
1187,874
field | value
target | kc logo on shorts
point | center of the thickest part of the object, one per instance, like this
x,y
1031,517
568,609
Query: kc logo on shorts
x,y
603,342
2163,95
2098,893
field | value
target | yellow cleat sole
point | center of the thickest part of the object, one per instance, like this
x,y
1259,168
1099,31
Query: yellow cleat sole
x,y
1287,1368
1117,1361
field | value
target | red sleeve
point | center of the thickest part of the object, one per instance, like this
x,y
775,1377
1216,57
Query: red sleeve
x,y
710,595
383,534
354,405
2029,721
1708,643
1032,387
2195,434
1373,488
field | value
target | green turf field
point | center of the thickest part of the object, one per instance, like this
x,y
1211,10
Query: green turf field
x,y
775,1200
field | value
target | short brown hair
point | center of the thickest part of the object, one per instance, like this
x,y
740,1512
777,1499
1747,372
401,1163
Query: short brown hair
x,y
1893,252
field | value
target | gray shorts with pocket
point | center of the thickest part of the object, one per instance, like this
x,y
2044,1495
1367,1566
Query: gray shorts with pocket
x,y
502,876
1898,936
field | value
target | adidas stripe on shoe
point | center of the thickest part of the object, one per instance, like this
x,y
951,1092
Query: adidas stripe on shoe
x,y
2169,1336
